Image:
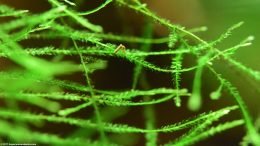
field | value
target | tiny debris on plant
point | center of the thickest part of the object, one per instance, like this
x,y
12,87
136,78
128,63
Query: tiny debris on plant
x,y
120,47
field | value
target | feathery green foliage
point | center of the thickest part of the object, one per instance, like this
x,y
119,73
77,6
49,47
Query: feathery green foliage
x,y
176,65
34,93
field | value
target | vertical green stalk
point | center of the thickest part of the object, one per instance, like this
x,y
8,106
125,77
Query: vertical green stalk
x,y
149,115
149,112
194,102
93,100
176,66
147,33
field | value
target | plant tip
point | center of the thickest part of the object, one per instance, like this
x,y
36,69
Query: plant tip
x,y
215,95
204,28
250,38
210,63
226,111
194,102
184,90
69,2
61,8
62,113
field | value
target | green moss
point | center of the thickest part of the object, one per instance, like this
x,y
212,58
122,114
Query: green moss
x,y
36,81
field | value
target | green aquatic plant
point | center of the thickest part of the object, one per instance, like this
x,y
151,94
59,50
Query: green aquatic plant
x,y
33,91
